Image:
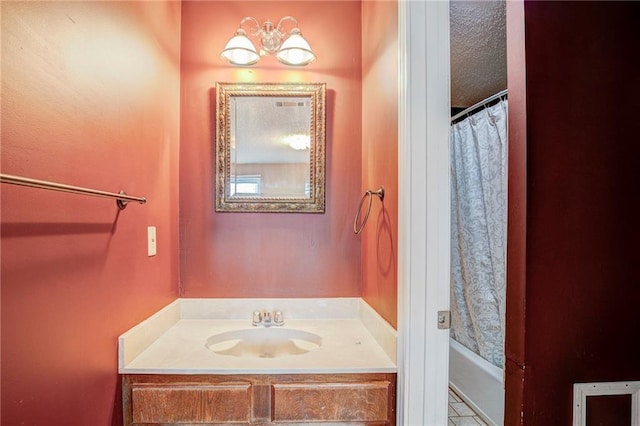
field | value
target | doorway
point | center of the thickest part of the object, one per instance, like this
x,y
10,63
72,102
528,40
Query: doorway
x,y
424,211
478,147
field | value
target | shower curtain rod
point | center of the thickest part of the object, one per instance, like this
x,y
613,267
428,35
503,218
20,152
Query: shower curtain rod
x,y
121,199
479,104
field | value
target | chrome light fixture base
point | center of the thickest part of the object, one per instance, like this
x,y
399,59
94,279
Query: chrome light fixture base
x,y
289,47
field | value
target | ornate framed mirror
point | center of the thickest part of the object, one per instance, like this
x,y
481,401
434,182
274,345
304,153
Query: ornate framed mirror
x,y
270,147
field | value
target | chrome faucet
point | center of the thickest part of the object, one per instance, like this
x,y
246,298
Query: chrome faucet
x,y
257,318
266,319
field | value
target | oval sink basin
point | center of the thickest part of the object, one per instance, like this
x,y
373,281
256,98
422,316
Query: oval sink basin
x,y
263,342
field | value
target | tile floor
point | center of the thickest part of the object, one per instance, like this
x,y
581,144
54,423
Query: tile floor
x,y
460,413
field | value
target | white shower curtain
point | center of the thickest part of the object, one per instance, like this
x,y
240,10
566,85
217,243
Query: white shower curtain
x,y
478,231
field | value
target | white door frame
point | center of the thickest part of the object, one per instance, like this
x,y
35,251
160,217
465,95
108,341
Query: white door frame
x,y
423,211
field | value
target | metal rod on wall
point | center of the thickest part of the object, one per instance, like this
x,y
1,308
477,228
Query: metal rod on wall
x,y
483,102
121,198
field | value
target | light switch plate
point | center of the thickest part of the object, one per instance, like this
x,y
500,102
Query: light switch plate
x,y
151,241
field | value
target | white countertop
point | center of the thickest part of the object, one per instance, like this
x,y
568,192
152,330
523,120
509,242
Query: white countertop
x,y
355,339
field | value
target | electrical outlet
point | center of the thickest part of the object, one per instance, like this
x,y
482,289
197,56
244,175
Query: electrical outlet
x,y
151,240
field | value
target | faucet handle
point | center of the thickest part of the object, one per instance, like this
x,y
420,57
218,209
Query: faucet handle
x,y
278,318
257,318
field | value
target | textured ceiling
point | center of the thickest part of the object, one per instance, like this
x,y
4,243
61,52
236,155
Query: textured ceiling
x,y
478,50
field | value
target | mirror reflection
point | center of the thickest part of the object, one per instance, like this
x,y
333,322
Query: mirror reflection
x,y
270,147
271,157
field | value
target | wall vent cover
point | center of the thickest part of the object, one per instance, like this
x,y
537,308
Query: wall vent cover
x,y
582,390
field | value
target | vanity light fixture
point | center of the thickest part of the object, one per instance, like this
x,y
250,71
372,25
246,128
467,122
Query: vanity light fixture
x,y
289,47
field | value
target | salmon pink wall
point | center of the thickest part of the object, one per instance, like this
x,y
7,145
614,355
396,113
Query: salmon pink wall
x,y
270,254
90,97
380,155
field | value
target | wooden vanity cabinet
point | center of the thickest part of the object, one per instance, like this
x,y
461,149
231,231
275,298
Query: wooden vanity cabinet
x,y
293,399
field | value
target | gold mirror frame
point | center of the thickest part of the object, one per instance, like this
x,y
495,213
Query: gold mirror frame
x,y
315,201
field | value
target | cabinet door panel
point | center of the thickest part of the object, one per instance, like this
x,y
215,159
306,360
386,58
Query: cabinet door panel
x,y
331,402
197,403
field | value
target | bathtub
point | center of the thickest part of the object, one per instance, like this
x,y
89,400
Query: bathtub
x,y
478,382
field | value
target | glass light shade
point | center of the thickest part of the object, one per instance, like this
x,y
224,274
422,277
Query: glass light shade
x,y
239,50
295,50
